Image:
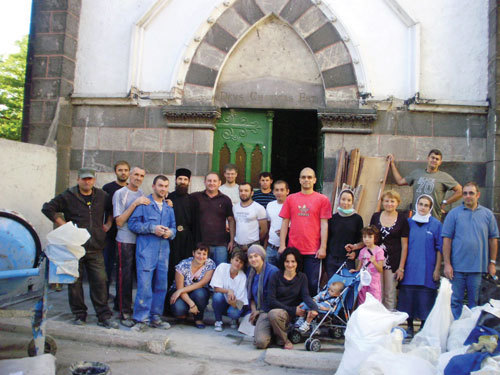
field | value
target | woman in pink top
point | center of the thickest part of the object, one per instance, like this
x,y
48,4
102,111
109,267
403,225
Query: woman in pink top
x,y
371,257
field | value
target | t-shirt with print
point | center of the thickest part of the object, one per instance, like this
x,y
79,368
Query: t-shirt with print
x,y
122,200
232,192
222,279
273,210
434,184
184,268
247,222
305,212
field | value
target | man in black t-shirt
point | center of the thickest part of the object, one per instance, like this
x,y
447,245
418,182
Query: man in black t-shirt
x,y
122,171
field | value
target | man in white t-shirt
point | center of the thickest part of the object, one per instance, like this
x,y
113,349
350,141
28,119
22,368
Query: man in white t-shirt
x,y
250,217
274,220
230,188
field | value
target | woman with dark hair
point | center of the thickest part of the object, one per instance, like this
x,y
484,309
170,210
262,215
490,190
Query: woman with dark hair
x,y
418,289
344,234
192,276
393,227
287,289
259,274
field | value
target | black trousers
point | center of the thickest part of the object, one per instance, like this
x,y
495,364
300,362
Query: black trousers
x,y
124,277
93,264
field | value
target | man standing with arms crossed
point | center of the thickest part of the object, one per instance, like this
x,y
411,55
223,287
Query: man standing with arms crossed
x,y
212,209
307,213
470,247
265,194
125,201
273,210
430,181
250,218
85,206
231,188
155,225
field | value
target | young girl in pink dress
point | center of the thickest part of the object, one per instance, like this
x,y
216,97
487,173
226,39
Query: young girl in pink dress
x,y
371,257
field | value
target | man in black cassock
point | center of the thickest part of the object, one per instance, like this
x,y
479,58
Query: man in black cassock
x,y
182,246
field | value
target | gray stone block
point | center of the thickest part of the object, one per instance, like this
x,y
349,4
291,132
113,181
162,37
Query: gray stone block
x,y
197,95
72,24
109,116
36,111
58,24
55,66
339,76
203,140
38,133
70,46
155,118
66,88
41,23
271,6
113,138
39,67
201,75
145,139
403,148
232,22
220,38
68,69
209,56
51,4
248,10
100,160
310,21
74,6
134,158
465,172
456,125
333,56
178,140
411,123
75,162
184,160
367,144
203,163
48,44
329,169
294,9
159,162
45,88
325,36
49,110
385,123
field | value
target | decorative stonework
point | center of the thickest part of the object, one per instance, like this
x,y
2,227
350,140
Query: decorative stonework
x,y
191,117
357,121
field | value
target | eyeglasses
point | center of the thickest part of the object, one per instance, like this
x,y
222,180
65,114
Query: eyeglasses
x,y
465,193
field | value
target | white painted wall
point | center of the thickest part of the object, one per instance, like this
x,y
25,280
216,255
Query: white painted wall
x,y
452,61
28,181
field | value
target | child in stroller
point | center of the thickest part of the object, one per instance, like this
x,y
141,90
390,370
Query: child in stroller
x,y
334,318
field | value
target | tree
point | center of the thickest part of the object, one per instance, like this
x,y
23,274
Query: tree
x,y
12,76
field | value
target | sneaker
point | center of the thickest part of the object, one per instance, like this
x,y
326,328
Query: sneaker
x,y
299,322
304,327
78,321
139,327
158,323
218,326
234,323
127,322
108,323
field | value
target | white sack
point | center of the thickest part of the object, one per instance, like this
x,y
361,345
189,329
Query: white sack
x,y
386,362
490,366
437,326
445,358
368,330
65,262
462,327
70,236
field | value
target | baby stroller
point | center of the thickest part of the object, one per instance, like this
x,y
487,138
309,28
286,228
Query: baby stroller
x,y
335,319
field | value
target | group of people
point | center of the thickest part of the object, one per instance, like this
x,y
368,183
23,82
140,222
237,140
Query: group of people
x,y
262,252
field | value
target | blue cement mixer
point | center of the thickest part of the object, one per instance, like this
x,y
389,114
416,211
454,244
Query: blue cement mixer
x,y
20,254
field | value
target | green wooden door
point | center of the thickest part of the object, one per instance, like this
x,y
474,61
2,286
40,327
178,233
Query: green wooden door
x,y
243,137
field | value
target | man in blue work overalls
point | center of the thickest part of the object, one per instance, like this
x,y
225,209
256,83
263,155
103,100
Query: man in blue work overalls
x,y
154,225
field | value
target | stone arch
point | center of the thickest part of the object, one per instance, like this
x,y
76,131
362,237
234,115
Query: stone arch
x,y
340,71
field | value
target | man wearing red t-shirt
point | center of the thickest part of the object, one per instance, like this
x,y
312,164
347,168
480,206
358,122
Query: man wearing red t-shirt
x,y
305,218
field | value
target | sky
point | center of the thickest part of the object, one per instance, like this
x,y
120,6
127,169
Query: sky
x,y
14,23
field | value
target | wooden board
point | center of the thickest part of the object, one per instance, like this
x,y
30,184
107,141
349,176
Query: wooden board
x,y
372,176
352,173
338,173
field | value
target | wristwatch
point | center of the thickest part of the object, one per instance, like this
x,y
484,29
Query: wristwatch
x,y
493,261
444,201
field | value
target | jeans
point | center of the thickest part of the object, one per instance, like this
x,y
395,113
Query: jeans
x,y
93,263
272,256
311,269
124,277
470,281
200,298
221,307
218,254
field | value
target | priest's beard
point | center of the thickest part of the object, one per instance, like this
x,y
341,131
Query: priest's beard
x,y
181,189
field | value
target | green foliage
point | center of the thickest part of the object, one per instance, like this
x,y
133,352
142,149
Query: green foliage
x,y
12,75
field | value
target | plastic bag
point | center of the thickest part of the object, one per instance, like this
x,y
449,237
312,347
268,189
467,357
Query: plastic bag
x,y
385,362
437,326
444,358
490,366
460,328
368,330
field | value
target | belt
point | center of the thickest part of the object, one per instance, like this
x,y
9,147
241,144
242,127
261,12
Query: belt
x,y
273,247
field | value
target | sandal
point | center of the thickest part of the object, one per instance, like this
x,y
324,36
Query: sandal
x,y
288,345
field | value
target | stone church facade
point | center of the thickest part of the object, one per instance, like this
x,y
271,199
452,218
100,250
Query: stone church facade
x,y
268,84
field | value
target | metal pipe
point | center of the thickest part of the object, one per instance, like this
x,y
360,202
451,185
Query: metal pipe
x,y
27,272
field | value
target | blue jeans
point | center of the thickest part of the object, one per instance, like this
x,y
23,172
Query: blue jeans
x,y
221,307
272,256
200,298
470,281
218,254
311,269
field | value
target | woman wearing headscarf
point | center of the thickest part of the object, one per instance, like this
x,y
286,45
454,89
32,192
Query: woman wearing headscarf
x,y
259,274
344,234
418,289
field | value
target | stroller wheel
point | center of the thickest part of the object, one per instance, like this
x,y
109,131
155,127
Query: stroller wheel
x,y
308,344
314,345
295,336
336,332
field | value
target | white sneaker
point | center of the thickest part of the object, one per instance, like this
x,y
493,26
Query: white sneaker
x,y
218,326
234,323
299,322
304,327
